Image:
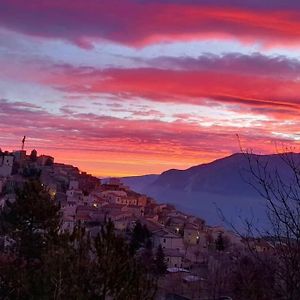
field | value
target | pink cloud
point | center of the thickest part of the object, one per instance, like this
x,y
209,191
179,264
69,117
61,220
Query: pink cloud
x,y
90,137
250,81
136,23
257,83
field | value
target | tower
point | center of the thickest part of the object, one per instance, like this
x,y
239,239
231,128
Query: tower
x,y
23,142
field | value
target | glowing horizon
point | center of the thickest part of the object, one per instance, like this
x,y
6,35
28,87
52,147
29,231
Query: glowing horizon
x,y
132,87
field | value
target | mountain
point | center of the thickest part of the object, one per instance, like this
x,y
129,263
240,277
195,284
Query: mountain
x,y
215,190
140,182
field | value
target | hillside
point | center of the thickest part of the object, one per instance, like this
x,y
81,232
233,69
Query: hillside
x,y
206,189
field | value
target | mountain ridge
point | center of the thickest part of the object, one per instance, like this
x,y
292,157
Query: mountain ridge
x,y
204,189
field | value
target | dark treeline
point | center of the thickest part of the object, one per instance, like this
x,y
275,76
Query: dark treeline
x,y
41,262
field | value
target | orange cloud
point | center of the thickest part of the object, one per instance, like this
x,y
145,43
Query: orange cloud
x,y
113,146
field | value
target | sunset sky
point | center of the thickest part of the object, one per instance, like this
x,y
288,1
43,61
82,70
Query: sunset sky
x,y
129,87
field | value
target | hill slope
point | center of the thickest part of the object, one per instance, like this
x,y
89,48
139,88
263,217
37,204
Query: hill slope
x,y
206,189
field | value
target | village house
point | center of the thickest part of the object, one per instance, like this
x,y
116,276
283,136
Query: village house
x,y
137,211
151,225
152,217
142,201
122,221
231,238
19,156
93,199
107,208
68,208
176,223
45,160
131,201
167,240
74,184
74,193
114,196
174,258
191,234
200,223
2,184
158,208
6,164
88,183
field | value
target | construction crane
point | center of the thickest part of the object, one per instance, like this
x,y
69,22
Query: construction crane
x,y
23,142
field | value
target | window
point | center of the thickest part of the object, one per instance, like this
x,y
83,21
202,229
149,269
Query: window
x,y
164,240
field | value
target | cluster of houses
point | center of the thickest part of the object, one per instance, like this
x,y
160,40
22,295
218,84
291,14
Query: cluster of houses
x,y
185,239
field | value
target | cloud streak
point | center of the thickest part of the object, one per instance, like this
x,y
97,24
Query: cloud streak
x,y
127,99
137,23
256,82
87,136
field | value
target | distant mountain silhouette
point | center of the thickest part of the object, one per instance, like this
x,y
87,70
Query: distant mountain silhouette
x,y
139,183
206,189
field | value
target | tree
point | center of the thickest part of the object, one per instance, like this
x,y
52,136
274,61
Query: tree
x,y
251,280
44,263
32,220
279,186
31,223
66,271
147,257
139,237
218,276
220,244
160,261
116,272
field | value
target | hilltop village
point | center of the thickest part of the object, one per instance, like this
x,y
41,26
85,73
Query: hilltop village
x,y
193,250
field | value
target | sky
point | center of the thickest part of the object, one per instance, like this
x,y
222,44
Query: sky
x,y
131,87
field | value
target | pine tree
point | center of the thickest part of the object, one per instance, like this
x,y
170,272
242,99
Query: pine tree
x,y
67,266
160,261
31,223
139,237
116,273
32,220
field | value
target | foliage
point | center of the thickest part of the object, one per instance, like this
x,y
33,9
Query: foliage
x,y
280,188
32,220
252,281
220,244
140,236
160,261
43,263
